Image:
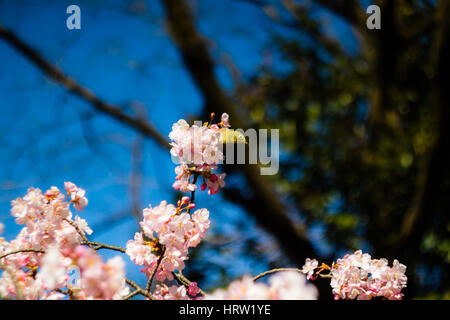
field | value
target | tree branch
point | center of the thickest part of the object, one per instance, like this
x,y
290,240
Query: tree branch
x,y
265,205
72,86
181,279
431,179
97,245
266,273
152,275
20,251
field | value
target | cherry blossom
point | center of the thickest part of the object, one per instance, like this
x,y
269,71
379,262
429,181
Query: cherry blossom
x,y
358,276
140,252
77,195
163,292
282,286
309,267
100,280
198,149
49,228
37,263
53,269
172,230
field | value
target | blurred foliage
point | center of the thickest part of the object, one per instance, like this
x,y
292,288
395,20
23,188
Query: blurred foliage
x,y
351,163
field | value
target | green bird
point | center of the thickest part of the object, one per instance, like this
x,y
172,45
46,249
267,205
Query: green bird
x,y
231,136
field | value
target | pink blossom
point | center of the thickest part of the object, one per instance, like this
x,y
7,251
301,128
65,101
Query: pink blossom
x,y
225,120
100,280
291,285
198,150
173,260
282,286
175,230
139,252
309,267
184,186
53,269
193,289
215,182
77,195
357,276
163,292
155,219
82,225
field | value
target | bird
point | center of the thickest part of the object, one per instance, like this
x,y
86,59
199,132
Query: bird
x,y
231,136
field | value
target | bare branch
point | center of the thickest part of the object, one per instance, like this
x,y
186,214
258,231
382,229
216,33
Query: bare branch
x,y
266,273
152,275
266,204
186,282
97,245
20,251
71,85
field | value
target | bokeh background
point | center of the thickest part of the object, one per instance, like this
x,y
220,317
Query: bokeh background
x,y
363,116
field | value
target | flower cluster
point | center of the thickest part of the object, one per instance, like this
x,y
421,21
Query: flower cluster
x,y
38,261
52,243
170,231
288,285
199,151
358,276
99,280
164,292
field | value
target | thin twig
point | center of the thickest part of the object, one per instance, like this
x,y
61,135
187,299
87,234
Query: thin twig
x,y
80,232
186,282
266,273
139,288
66,292
131,295
194,181
152,275
97,245
21,250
